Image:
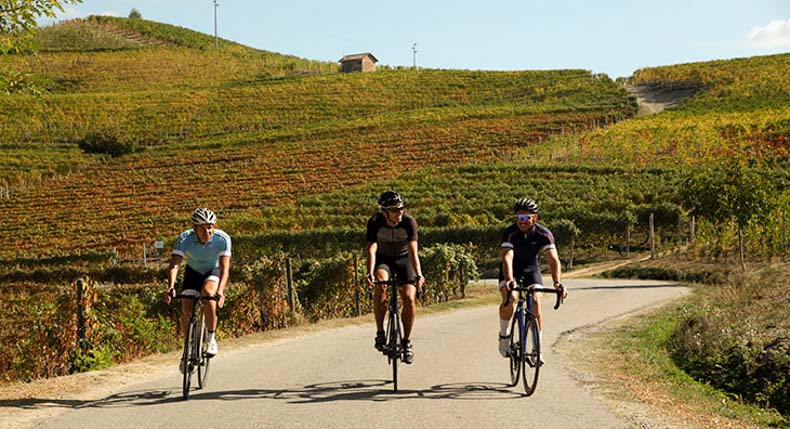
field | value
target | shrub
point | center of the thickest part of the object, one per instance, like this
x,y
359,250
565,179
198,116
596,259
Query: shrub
x,y
103,142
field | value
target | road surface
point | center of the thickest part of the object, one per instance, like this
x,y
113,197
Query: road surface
x,y
335,379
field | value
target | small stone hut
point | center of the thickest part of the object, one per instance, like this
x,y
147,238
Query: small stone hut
x,y
358,63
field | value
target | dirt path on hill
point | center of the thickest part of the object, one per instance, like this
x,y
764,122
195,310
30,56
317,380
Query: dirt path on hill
x,y
655,97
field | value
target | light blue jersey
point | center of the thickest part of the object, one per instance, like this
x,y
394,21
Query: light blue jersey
x,y
202,257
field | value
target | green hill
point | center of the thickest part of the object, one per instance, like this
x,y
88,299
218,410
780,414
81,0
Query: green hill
x,y
265,146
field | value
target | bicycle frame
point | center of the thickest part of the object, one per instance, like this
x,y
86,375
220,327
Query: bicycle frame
x,y
194,356
393,349
525,321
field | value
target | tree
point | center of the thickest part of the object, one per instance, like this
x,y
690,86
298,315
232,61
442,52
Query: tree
x,y
135,14
724,193
18,21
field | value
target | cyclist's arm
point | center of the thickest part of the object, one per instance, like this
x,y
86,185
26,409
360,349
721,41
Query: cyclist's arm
x,y
371,258
172,274
555,267
507,264
414,257
224,273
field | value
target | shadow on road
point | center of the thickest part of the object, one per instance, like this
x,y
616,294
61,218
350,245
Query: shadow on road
x,y
351,390
654,286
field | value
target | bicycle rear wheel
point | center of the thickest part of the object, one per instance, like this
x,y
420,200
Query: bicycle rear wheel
x,y
515,350
187,360
531,361
203,366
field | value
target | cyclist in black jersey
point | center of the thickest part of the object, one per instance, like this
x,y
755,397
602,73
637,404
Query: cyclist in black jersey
x,y
522,243
392,247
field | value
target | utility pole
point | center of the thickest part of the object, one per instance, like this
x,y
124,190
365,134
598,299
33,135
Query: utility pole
x,y
216,42
414,55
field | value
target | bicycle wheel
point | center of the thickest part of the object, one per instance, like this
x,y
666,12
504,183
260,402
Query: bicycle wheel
x,y
393,341
515,350
531,355
203,366
187,359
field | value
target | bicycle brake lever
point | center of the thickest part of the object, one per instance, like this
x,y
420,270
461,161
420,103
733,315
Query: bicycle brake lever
x,y
559,297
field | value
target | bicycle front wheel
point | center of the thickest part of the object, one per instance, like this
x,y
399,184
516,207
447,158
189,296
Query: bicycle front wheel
x,y
514,353
203,366
531,361
186,359
393,341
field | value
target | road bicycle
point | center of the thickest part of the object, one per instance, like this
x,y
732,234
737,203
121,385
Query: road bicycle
x,y
194,356
392,347
524,352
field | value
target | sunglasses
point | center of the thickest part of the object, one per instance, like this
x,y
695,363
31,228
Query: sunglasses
x,y
524,217
394,209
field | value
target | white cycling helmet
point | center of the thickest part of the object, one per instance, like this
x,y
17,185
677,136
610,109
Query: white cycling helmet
x,y
203,216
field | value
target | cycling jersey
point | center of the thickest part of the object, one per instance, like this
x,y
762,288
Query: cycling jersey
x,y
202,257
392,241
526,248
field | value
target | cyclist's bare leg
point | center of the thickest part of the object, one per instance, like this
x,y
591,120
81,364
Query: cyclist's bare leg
x,y
380,299
210,307
506,311
186,311
408,295
537,308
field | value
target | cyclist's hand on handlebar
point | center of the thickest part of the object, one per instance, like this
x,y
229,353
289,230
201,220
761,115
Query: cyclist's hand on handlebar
x,y
169,294
510,285
420,281
221,300
564,290
370,279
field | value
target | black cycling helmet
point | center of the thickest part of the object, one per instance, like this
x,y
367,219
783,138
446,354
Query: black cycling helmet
x,y
390,199
526,204
202,216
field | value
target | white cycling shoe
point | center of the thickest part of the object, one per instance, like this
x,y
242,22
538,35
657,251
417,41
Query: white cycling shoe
x,y
211,348
504,345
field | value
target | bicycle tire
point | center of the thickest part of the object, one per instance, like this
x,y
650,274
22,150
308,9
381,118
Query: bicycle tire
x,y
205,361
515,350
394,347
187,359
531,358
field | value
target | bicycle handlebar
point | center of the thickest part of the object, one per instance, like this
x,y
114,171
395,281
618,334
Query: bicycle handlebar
x,y
529,289
193,298
394,282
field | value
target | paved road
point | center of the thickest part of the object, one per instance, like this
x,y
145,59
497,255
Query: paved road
x,y
335,379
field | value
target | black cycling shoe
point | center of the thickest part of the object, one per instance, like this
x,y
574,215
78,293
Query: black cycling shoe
x,y
408,354
381,341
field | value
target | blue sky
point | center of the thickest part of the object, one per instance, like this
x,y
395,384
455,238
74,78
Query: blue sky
x,y
615,37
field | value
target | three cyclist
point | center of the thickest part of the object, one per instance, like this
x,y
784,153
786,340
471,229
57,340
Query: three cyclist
x,y
522,243
207,251
392,248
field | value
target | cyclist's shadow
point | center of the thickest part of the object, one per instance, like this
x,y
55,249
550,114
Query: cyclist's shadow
x,y
333,391
368,390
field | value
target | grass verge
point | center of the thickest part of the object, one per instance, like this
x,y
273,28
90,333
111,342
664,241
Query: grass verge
x,y
627,362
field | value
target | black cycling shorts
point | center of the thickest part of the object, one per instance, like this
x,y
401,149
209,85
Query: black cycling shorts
x,y
400,266
194,280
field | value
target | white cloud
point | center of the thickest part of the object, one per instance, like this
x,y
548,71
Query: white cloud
x,y
774,35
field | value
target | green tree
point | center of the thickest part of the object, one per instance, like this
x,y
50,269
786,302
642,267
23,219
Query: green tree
x,y
730,192
18,21
135,14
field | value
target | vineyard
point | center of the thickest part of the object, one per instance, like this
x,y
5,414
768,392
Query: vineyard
x,y
289,152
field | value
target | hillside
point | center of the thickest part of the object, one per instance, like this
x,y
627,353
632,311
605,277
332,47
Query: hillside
x,y
742,111
267,148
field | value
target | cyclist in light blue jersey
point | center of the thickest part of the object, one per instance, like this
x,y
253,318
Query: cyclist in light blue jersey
x,y
207,251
